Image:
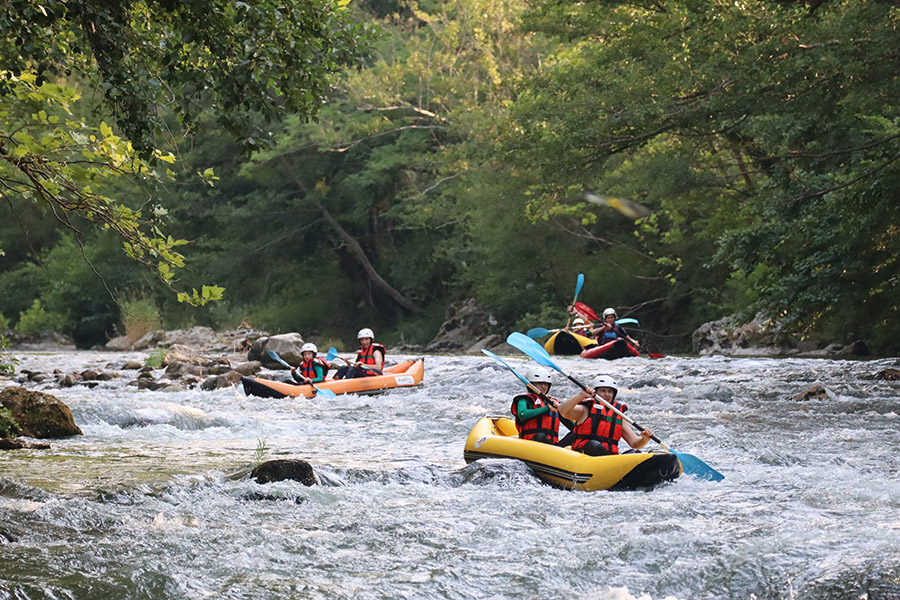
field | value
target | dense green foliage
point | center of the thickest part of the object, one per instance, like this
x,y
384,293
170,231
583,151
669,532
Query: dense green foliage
x,y
453,162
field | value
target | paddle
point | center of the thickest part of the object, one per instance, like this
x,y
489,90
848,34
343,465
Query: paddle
x,y
690,463
326,393
333,354
539,332
579,283
587,311
516,373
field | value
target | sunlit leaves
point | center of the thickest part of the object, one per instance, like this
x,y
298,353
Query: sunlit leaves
x,y
63,164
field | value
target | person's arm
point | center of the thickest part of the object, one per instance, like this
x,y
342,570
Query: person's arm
x,y
526,414
634,440
572,408
379,360
577,313
298,378
624,334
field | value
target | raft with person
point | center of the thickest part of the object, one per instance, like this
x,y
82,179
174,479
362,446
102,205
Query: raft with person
x,y
619,348
408,373
497,437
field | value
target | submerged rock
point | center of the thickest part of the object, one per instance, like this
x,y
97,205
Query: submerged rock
x,y
815,392
286,468
39,415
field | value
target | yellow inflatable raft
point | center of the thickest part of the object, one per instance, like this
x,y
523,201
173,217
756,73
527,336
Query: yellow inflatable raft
x,y
406,374
497,437
567,342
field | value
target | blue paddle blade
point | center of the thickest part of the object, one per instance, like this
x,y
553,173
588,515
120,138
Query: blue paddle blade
x,y
274,356
332,354
538,332
495,357
694,466
325,393
530,347
578,285
627,321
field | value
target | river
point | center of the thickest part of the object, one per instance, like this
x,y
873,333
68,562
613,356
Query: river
x,y
150,503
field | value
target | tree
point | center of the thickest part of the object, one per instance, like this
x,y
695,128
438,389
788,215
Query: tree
x,y
246,63
764,135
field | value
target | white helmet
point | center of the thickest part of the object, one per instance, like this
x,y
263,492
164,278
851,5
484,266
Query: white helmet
x,y
605,381
538,375
365,332
578,321
309,347
609,311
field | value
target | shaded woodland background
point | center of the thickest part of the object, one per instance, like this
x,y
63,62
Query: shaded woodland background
x,y
338,165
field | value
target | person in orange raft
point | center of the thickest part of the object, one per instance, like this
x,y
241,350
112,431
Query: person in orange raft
x,y
369,359
597,428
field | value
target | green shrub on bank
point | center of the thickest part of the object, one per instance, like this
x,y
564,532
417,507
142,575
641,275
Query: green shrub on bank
x,y
7,363
36,321
140,316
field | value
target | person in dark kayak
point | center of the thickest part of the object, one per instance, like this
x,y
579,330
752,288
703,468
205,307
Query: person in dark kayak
x,y
369,359
312,369
536,415
608,331
597,428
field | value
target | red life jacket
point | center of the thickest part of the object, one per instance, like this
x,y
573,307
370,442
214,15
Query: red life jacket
x,y
367,356
602,425
307,369
547,423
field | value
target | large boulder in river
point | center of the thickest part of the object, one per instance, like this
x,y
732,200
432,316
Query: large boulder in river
x,y
759,337
39,415
465,325
286,345
286,468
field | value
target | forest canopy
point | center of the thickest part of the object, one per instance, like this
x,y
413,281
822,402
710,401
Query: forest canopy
x,y
694,158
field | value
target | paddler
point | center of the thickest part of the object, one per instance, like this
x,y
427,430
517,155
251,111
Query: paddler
x,y
369,359
597,428
312,368
608,331
536,414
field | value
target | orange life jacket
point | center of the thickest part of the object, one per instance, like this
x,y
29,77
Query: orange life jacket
x,y
602,425
547,424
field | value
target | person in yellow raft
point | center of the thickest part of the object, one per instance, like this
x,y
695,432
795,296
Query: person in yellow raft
x,y
369,359
597,428
536,414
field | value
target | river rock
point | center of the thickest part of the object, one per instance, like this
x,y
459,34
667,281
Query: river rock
x,y
39,415
185,354
888,375
759,337
17,444
249,369
286,345
177,369
286,468
815,392
465,321
221,381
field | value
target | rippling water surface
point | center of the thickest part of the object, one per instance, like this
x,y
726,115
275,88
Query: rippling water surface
x,y
152,501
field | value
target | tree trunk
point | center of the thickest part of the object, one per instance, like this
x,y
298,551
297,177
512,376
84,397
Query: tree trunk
x,y
359,254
